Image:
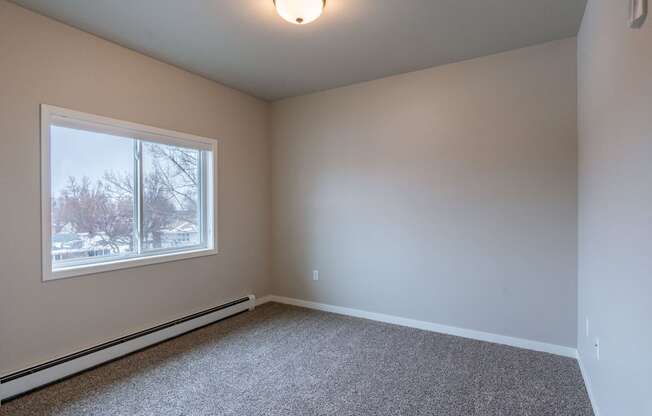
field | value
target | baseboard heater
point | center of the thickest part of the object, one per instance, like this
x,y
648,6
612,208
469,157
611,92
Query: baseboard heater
x,y
23,381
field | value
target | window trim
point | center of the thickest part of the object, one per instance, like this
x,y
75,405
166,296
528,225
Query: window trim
x,y
49,113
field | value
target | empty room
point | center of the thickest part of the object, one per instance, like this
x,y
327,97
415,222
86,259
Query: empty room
x,y
326,207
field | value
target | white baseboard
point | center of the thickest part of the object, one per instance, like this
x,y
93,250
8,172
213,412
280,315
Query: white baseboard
x,y
51,374
264,299
41,377
428,326
587,383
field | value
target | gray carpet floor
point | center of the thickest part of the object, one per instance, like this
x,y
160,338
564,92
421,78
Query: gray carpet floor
x,y
284,360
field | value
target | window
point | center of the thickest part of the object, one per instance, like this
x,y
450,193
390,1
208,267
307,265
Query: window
x,y
119,194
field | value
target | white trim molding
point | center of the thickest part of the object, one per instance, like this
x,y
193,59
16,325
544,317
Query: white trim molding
x,y
587,384
264,299
427,326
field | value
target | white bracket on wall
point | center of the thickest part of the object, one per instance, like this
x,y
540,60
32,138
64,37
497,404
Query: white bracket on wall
x,y
637,13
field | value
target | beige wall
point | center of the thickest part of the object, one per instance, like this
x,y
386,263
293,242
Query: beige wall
x,y
42,61
615,207
446,195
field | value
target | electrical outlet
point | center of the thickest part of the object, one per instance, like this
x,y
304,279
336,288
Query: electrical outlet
x,y
596,345
315,275
587,327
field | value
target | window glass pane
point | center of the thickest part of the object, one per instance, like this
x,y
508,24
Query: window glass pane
x,y
92,196
171,200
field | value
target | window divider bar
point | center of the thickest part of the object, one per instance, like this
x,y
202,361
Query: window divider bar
x,y
139,195
201,171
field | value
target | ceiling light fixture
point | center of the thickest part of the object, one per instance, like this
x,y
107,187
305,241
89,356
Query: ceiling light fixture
x,y
299,12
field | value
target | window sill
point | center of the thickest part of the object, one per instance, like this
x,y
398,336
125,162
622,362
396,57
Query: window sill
x,y
128,263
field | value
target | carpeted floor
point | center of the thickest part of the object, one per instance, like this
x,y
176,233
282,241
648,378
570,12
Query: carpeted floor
x,y
283,360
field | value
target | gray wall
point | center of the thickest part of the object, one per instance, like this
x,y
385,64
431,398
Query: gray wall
x,y
446,195
42,61
615,208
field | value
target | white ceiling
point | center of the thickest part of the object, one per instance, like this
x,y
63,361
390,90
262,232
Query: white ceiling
x,y
245,45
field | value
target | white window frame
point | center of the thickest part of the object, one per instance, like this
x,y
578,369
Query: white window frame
x,y
50,114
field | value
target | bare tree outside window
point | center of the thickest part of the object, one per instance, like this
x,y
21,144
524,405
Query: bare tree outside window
x,y
172,184
93,215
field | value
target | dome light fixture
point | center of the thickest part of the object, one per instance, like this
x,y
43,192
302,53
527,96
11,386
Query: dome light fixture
x,y
299,12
